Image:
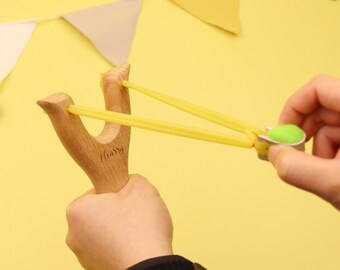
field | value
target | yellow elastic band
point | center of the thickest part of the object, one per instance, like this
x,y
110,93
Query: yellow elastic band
x,y
196,110
169,128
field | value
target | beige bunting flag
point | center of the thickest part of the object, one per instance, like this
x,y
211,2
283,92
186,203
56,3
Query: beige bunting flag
x,y
109,27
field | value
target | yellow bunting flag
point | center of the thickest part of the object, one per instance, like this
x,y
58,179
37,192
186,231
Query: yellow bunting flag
x,y
220,13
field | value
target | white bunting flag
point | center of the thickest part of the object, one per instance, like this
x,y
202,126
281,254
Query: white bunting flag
x,y
13,39
109,27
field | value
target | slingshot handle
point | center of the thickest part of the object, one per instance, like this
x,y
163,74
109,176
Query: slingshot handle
x,y
103,158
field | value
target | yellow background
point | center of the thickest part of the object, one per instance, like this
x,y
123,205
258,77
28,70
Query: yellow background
x,y
230,210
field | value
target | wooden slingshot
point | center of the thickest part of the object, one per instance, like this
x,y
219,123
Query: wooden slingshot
x,y
103,158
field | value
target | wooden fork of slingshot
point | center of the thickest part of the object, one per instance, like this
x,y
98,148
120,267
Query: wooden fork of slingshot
x,y
103,158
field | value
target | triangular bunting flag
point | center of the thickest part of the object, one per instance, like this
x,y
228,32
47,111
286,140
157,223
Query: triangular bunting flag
x,y
14,37
221,13
109,27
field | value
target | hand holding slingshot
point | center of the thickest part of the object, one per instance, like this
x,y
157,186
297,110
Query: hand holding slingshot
x,y
105,158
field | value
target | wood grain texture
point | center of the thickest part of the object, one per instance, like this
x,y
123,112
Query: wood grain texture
x,y
103,158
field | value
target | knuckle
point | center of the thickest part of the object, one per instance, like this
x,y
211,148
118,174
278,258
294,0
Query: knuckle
x,y
144,186
70,242
74,212
74,216
71,211
283,171
147,189
317,79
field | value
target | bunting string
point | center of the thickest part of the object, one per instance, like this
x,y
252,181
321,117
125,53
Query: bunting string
x,y
110,27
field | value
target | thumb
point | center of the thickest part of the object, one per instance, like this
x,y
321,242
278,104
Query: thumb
x,y
311,173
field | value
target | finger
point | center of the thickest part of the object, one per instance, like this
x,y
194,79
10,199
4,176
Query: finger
x,y
321,91
326,142
319,118
78,204
91,191
138,183
313,174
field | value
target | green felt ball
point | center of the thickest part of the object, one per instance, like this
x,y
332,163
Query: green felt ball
x,y
288,134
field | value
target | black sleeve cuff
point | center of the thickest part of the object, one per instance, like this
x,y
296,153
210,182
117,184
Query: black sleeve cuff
x,y
172,262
